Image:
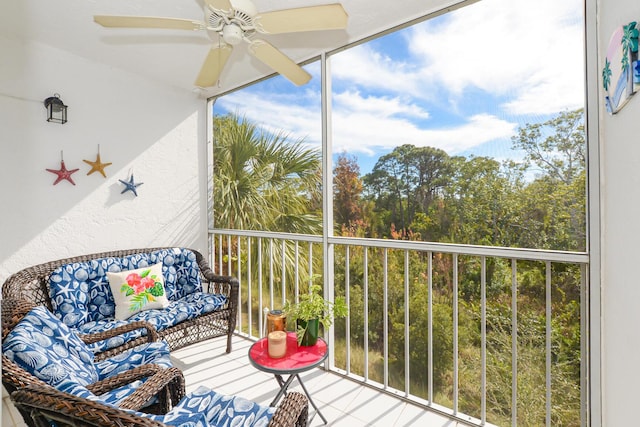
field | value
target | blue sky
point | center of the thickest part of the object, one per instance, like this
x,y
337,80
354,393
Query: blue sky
x,y
463,82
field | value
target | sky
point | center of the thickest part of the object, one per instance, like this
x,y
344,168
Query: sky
x,y
463,82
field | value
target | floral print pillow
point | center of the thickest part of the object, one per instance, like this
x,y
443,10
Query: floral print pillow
x,y
137,290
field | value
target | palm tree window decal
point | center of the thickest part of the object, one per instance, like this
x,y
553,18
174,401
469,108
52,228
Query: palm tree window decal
x,y
617,74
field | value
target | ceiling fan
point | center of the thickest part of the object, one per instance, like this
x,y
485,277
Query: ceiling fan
x,y
238,21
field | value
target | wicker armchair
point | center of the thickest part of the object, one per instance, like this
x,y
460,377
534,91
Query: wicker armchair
x,y
31,284
163,388
48,404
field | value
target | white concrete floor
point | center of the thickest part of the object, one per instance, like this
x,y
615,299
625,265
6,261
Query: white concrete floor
x,y
342,401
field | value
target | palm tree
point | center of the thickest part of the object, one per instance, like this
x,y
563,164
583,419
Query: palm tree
x,y
606,74
264,181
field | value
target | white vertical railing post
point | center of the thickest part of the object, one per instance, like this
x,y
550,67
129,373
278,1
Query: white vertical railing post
x,y
296,286
514,343
365,284
455,334
483,341
548,342
347,296
249,285
284,273
271,274
385,315
261,320
430,327
407,348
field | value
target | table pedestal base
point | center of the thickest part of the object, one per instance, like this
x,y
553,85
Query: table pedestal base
x,y
284,385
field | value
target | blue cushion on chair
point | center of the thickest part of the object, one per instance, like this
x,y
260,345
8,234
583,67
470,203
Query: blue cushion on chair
x,y
46,348
156,352
205,407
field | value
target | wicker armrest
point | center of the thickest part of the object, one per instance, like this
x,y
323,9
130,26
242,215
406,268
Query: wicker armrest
x,y
216,283
293,411
13,310
46,403
14,377
165,383
152,334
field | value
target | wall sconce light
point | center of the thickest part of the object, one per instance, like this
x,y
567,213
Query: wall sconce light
x,y
56,110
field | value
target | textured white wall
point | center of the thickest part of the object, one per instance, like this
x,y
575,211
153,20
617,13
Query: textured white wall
x,y
620,187
157,132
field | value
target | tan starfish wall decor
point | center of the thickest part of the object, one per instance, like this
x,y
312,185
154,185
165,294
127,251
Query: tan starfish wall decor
x,y
97,166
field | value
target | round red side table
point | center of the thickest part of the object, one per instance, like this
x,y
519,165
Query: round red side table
x,y
296,360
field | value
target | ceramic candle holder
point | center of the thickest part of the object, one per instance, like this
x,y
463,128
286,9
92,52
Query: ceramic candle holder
x,y
277,344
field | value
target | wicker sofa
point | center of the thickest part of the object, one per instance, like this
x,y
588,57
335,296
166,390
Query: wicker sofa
x,y
191,317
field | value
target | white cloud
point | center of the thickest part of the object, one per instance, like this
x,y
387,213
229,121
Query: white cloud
x,y
277,112
379,106
372,70
365,124
530,52
356,132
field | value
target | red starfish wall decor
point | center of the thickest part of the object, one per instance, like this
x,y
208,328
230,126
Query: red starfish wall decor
x,y
63,173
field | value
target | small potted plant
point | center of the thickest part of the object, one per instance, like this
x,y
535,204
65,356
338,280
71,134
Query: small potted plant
x,y
311,311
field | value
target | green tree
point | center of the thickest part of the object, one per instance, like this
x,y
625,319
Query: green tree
x,y
347,192
557,147
405,182
553,206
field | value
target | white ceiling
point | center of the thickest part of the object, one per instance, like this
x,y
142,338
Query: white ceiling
x,y
174,57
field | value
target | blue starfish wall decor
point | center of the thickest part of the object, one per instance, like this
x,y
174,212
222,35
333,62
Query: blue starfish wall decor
x,y
130,186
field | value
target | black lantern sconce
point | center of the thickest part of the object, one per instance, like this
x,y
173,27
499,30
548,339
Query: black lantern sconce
x,y
56,110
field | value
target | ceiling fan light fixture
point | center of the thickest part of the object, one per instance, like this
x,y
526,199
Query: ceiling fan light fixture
x,y
232,34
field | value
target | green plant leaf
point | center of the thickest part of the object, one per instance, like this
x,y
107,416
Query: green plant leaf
x,y
139,301
157,290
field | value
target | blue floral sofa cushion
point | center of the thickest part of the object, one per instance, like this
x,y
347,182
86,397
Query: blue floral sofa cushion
x,y
81,297
188,307
80,291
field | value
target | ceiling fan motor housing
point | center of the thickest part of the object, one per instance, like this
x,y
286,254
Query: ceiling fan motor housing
x,y
232,34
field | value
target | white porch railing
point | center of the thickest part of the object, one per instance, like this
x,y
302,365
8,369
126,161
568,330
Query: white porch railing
x,y
512,369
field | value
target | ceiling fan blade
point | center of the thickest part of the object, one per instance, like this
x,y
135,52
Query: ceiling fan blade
x,y
213,65
279,62
223,5
148,22
312,18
